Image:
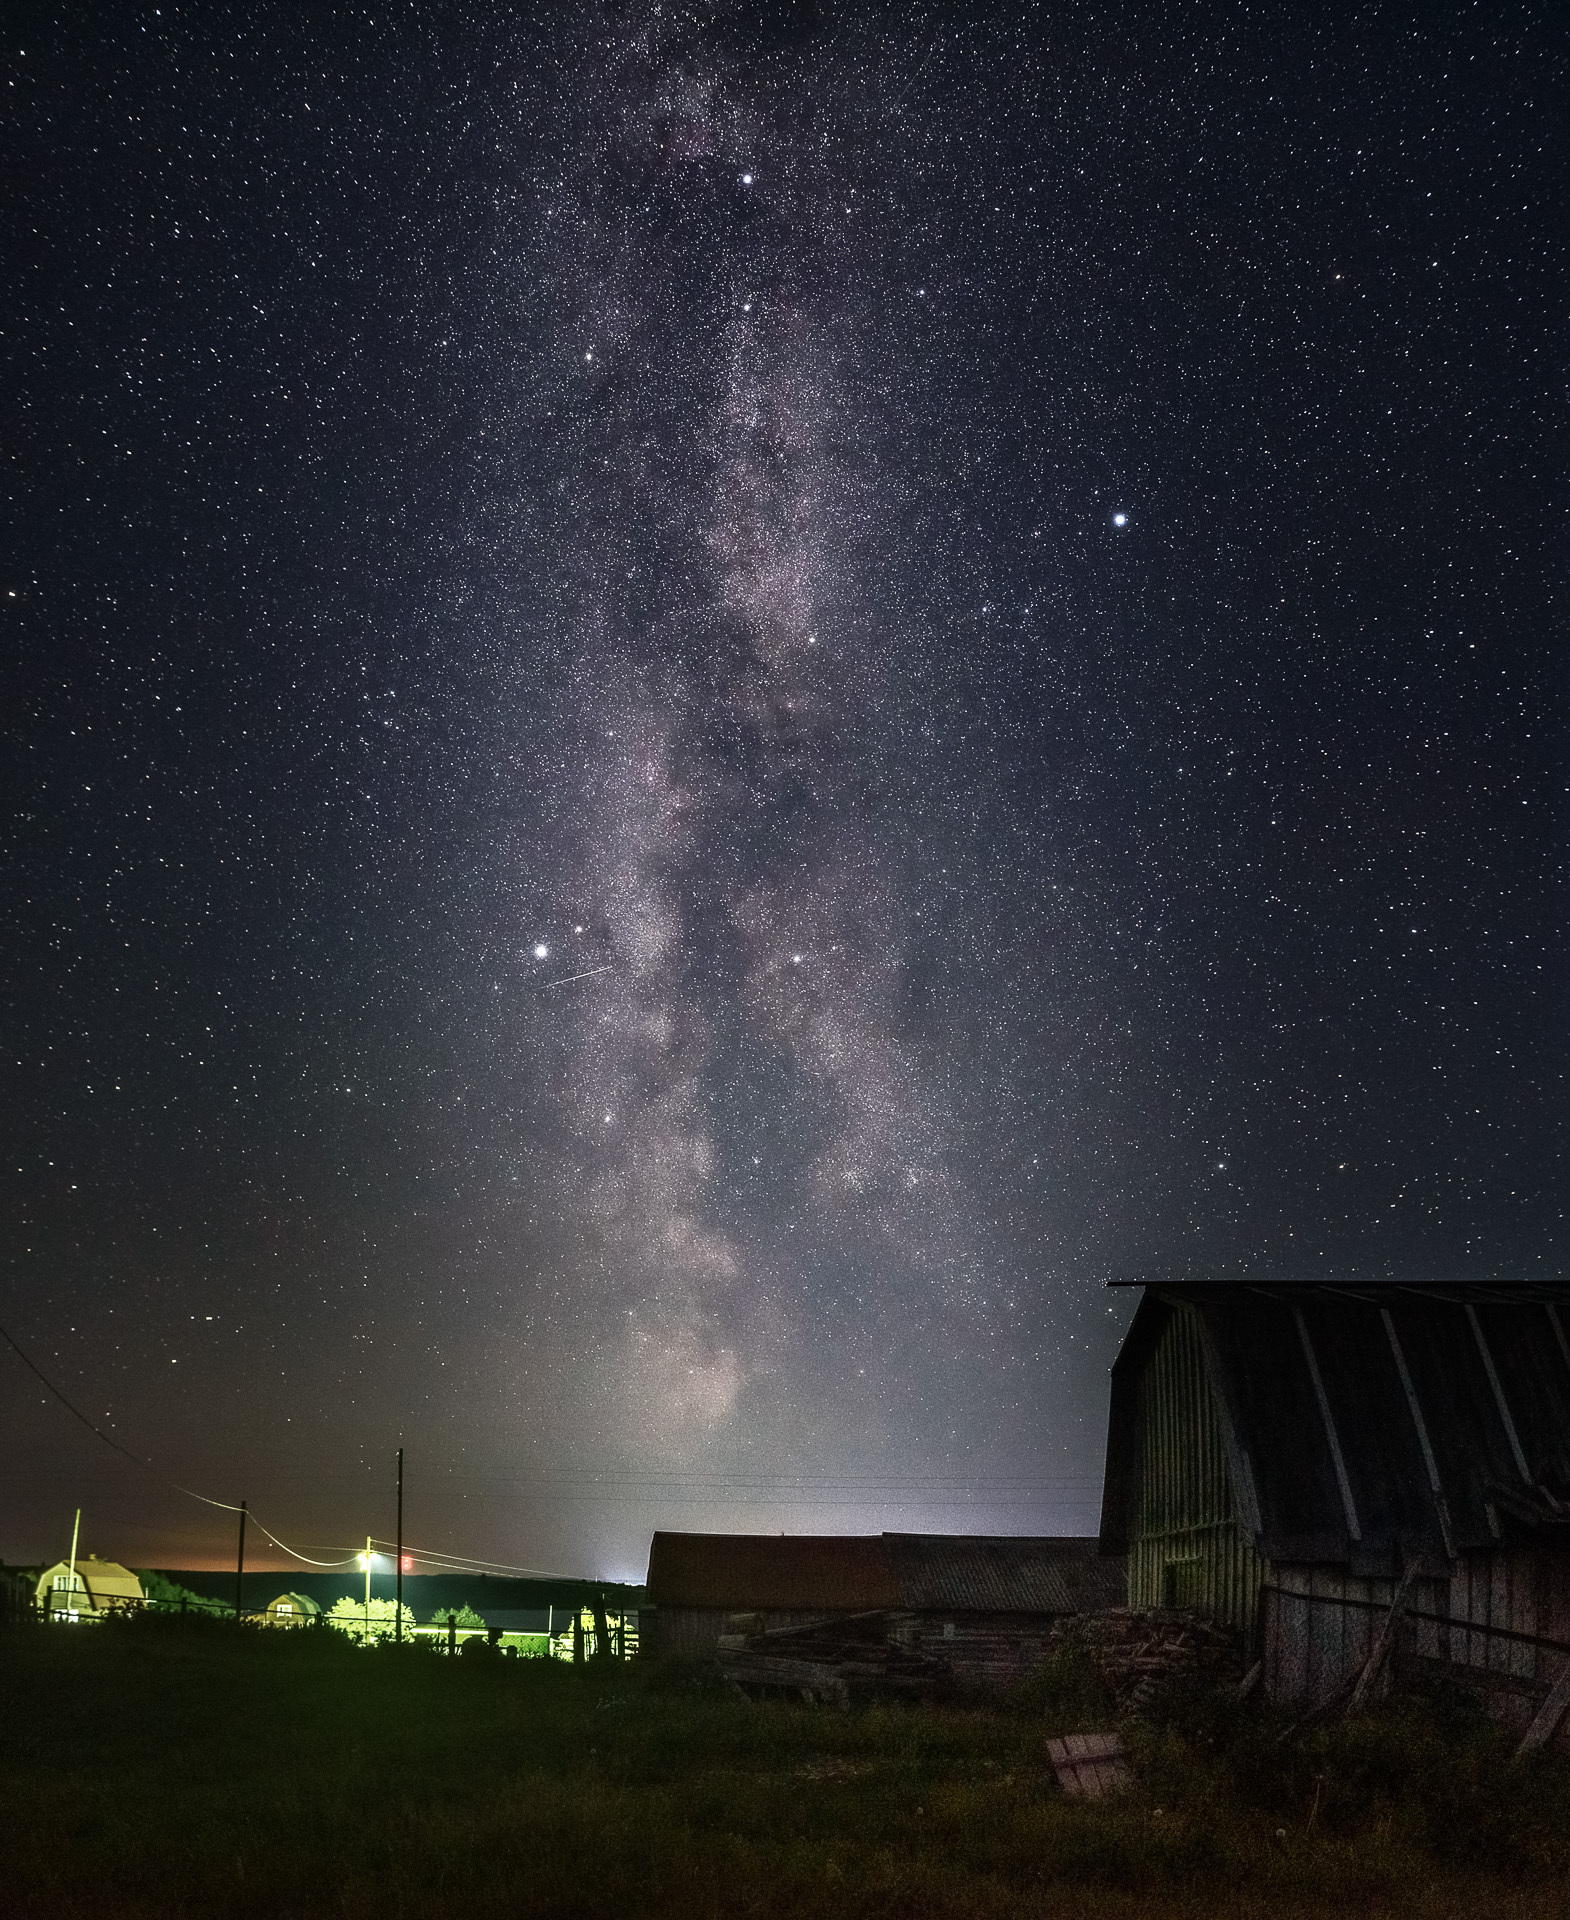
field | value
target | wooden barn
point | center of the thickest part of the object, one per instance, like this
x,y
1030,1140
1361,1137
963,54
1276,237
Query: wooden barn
x,y
982,1606
1291,1457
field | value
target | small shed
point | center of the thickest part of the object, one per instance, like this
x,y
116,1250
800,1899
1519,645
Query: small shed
x,y
96,1587
290,1610
988,1605
984,1605
1289,1457
701,1585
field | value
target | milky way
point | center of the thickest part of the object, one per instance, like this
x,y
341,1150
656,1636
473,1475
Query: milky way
x,y
711,707
750,1177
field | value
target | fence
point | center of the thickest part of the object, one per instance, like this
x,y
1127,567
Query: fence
x,y
1313,1641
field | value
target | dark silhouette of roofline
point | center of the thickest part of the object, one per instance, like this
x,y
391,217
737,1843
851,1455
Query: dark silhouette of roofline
x,y
1365,1287
1366,1420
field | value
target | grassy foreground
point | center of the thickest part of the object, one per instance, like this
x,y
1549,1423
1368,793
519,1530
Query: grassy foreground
x,y
160,1771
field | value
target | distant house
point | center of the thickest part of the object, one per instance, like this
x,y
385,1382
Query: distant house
x,y
1284,1456
290,1610
987,1603
95,1588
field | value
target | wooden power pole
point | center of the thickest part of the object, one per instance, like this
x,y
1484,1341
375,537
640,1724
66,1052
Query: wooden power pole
x,y
398,1615
239,1569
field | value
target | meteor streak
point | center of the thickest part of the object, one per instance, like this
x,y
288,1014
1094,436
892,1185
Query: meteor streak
x,y
568,978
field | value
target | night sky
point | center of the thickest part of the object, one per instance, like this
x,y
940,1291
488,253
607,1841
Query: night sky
x,y
707,706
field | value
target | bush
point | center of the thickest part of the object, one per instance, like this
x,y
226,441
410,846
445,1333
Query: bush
x,y
464,1618
369,1623
1068,1691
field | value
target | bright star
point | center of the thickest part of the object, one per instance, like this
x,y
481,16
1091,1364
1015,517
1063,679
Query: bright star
x,y
541,951
746,179
1120,519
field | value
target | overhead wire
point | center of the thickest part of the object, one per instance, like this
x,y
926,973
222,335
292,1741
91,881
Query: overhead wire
x,y
468,1564
639,1489
294,1554
226,1506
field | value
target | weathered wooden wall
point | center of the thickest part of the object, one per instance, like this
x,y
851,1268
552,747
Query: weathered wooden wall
x,y
1186,1546
1524,1589
1320,1623
982,1650
692,1633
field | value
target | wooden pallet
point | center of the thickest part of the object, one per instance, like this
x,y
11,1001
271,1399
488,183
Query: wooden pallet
x,y
1088,1764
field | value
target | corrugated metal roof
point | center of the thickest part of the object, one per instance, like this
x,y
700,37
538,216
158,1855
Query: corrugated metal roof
x,y
844,1573
1368,1421
937,1573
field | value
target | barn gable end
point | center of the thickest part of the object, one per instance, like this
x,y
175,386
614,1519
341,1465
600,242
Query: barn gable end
x,y
1280,1456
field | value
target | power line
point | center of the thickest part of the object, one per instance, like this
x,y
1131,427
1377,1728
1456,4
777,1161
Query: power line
x,y
228,1506
225,1506
469,1565
332,1566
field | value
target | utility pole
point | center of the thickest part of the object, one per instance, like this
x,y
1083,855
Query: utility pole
x,y
398,1617
70,1585
239,1569
367,1589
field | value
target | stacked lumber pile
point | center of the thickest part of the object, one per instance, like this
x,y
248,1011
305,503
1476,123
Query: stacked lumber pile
x,y
1133,1653
834,1661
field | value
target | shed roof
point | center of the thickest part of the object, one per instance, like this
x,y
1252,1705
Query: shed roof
x,y
1370,1420
943,1573
783,1572
852,1574
295,1602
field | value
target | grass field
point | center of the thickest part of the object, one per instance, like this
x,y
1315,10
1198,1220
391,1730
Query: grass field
x,y
162,1771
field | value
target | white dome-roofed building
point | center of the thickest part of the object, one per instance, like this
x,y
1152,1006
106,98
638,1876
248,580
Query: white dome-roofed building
x,y
291,1610
95,1587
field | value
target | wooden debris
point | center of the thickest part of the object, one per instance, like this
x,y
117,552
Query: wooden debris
x,y
1546,1721
881,1651
831,1661
1133,1653
1380,1651
1088,1764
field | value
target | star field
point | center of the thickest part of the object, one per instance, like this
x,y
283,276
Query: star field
x,y
708,705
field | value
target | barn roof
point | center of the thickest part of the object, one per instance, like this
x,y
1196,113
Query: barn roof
x,y
1370,1420
853,1574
